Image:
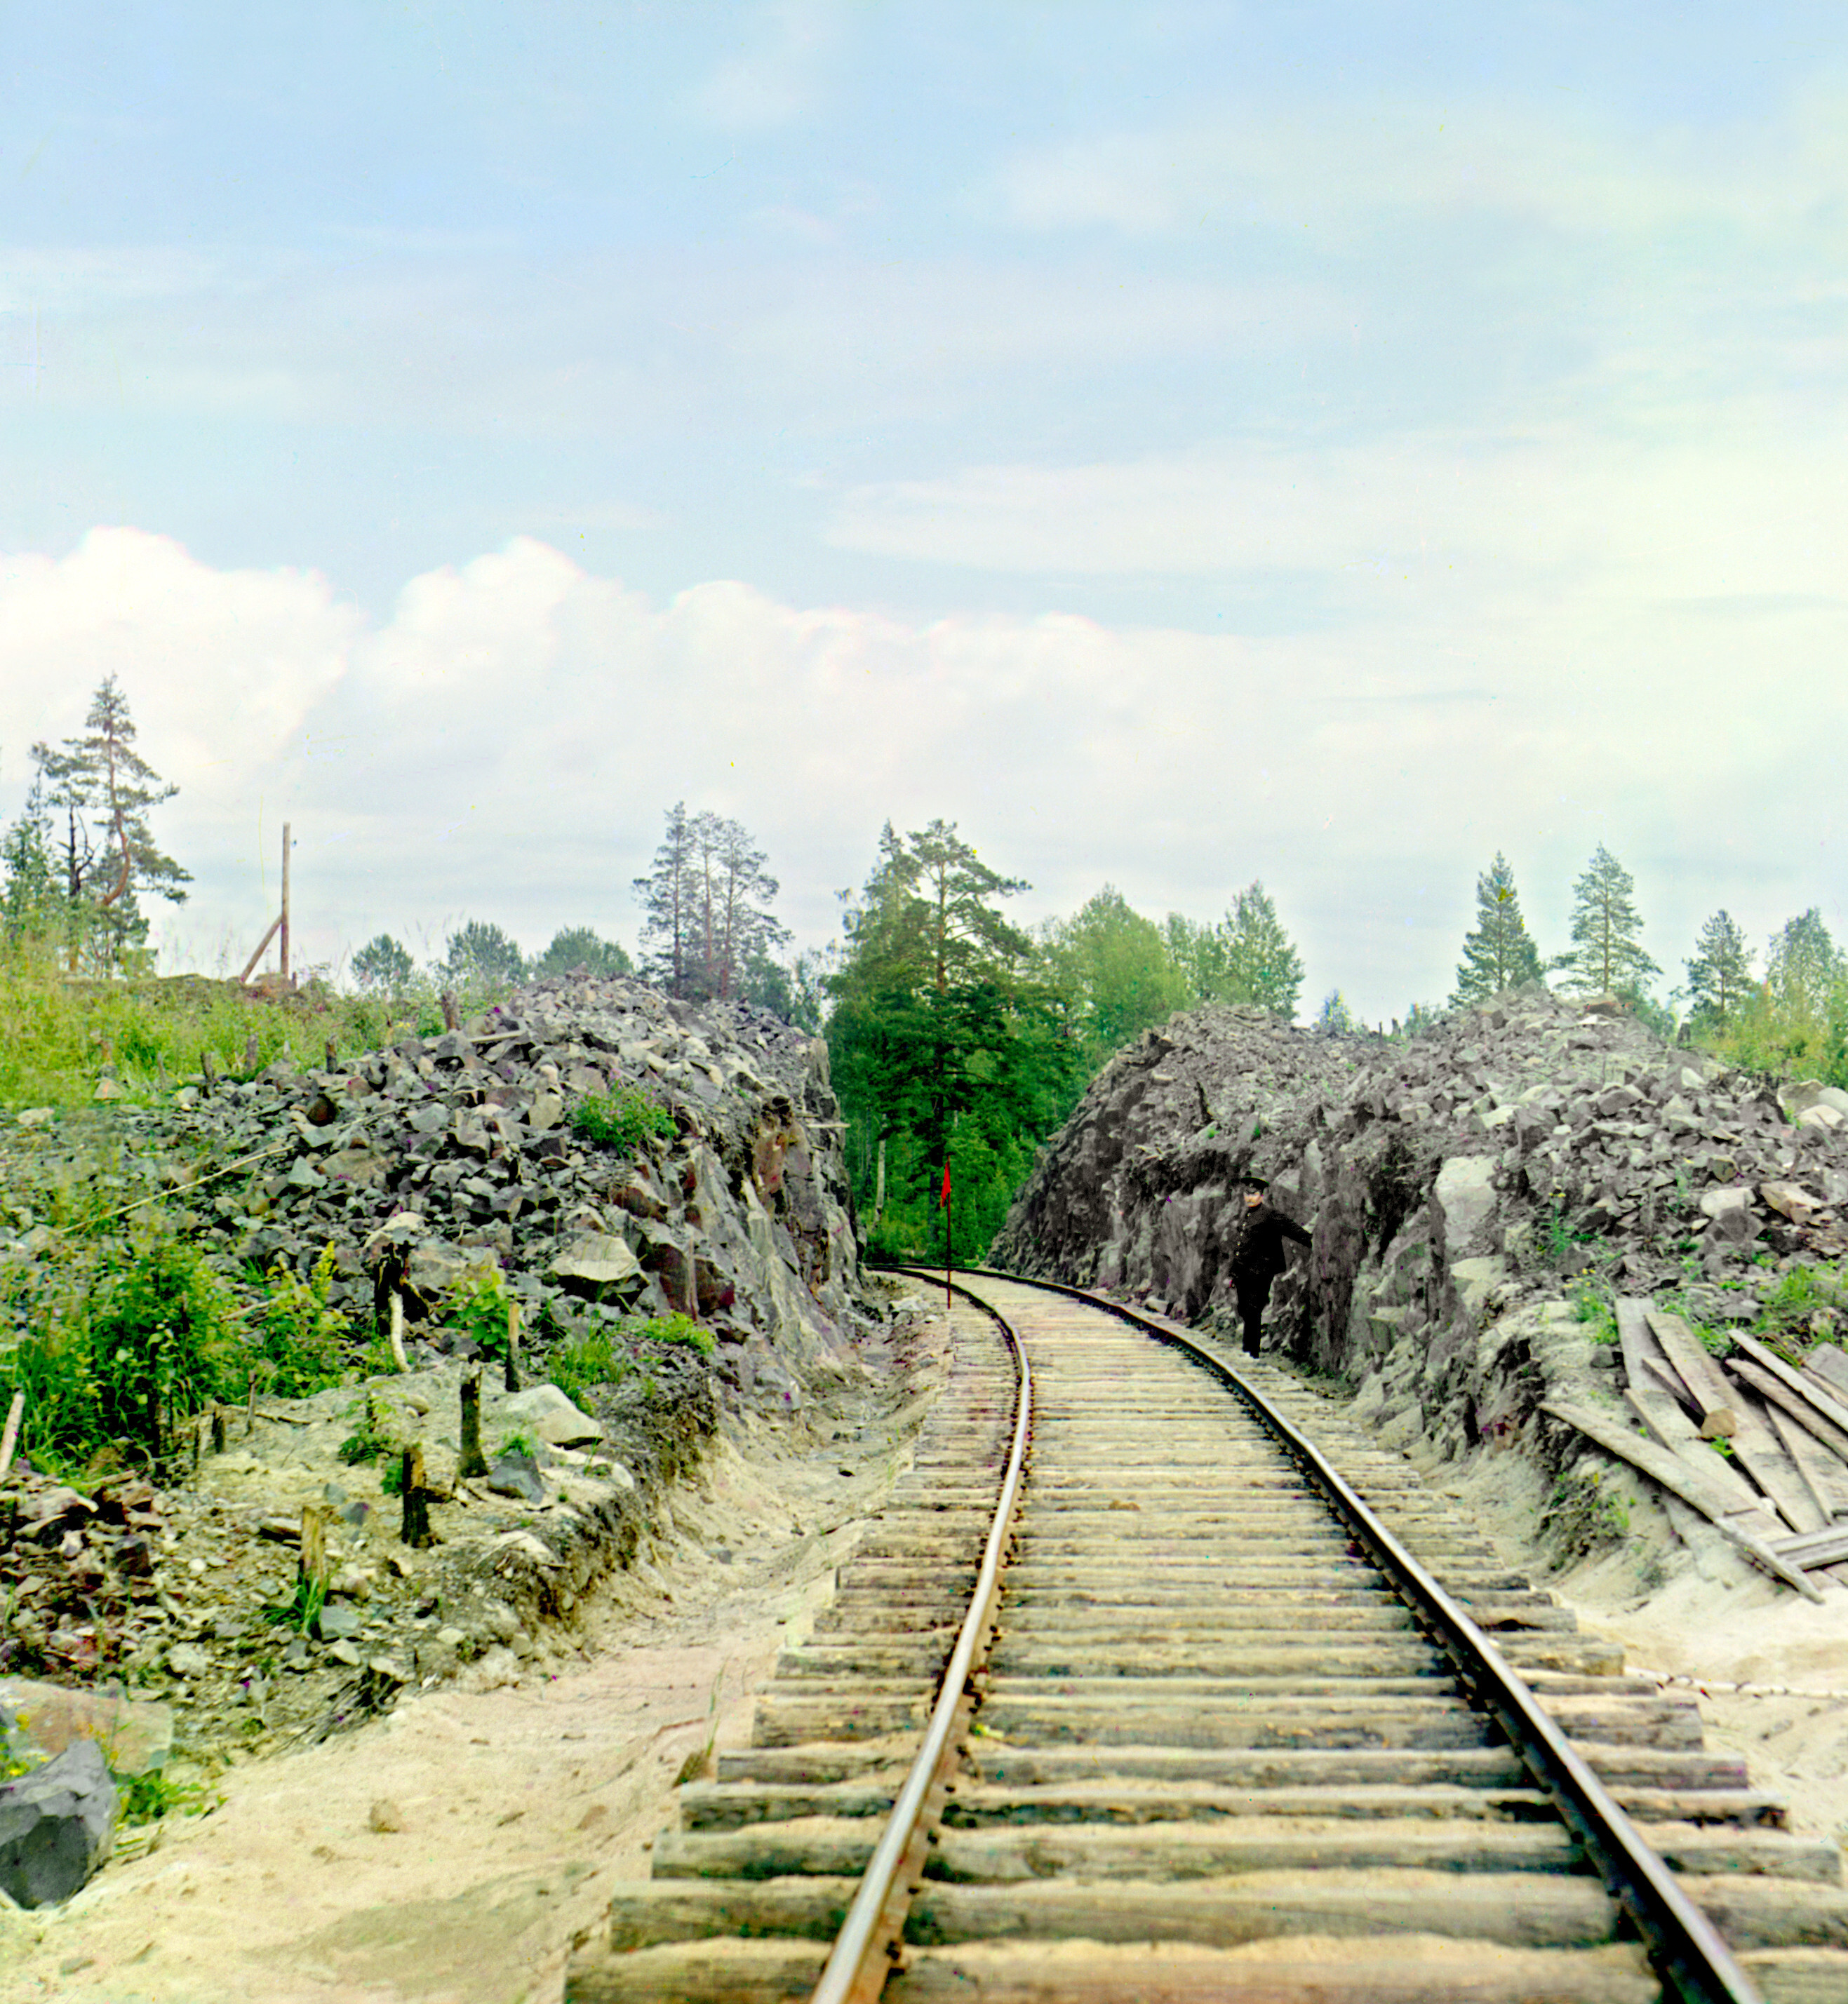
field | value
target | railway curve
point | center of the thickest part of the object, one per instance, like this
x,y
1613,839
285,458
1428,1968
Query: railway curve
x,y
1233,1722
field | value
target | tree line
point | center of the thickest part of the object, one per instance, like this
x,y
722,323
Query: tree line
x,y
1791,1012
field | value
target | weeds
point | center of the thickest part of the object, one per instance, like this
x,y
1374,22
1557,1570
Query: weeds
x,y
372,1434
623,1120
298,1338
1584,1514
147,1798
302,1609
607,1353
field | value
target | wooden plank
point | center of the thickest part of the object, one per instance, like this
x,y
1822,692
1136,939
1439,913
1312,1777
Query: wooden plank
x,y
1668,1470
1812,1463
1820,1548
1767,1461
1669,1425
1688,1356
1829,1362
1833,1410
1671,1429
1756,1447
1795,1405
1717,1422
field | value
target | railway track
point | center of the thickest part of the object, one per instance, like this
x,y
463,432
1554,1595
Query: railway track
x,y
1203,1736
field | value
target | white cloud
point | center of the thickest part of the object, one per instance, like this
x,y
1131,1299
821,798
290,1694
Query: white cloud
x,y
504,744
1753,510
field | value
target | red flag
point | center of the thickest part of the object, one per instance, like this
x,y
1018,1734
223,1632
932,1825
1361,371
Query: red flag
x,y
946,1182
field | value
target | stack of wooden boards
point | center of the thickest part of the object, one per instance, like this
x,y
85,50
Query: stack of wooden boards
x,y
1757,1446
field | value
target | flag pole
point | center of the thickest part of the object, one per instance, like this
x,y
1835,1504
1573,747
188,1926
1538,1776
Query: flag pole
x,y
946,1229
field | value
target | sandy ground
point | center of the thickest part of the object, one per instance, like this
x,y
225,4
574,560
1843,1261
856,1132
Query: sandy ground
x,y
449,1853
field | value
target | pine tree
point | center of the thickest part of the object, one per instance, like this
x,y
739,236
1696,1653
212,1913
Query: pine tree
x,y
28,876
707,904
1607,957
1262,968
101,775
1500,953
1720,976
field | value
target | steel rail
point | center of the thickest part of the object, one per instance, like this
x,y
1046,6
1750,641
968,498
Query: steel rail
x,y
861,1959
1693,1962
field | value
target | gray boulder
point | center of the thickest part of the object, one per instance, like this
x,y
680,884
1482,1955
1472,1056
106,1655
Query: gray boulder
x,y
56,1825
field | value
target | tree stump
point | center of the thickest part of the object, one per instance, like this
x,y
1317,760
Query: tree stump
x,y
313,1569
474,1462
414,1529
513,1345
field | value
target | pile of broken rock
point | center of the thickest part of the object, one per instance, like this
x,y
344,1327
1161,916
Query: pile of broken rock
x,y
1462,1185
416,1164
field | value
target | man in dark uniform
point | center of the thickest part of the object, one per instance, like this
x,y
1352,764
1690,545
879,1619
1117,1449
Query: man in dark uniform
x,y
1258,1259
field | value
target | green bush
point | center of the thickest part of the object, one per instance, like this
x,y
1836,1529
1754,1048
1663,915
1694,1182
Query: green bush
x,y
477,1308
160,1345
678,1329
299,1339
623,1120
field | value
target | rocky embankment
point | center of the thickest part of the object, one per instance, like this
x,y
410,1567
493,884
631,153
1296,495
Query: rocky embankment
x,y
1465,1188
419,1166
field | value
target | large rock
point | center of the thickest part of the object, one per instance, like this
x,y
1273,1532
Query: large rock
x,y
56,1824
599,1265
546,1412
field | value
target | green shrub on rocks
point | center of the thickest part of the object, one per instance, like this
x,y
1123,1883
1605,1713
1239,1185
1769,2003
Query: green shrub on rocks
x,y
299,1342
623,1120
160,1342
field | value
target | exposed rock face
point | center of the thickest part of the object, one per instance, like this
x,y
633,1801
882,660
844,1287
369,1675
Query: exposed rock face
x,y
1455,1183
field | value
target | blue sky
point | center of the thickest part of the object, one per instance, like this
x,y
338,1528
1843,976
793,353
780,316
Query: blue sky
x,y
1180,444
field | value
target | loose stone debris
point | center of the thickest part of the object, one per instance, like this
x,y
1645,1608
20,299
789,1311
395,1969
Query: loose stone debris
x,y
180,1600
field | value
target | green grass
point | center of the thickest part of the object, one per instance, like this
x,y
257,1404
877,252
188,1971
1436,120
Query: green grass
x,y
61,1033
607,1353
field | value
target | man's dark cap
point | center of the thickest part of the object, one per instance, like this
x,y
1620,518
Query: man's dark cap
x,y
1252,1180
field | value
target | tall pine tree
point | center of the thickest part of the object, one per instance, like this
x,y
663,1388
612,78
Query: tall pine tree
x,y
1500,953
1720,976
1607,956
944,1043
98,791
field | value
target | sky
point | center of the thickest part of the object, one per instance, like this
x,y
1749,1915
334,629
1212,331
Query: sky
x,y
1181,445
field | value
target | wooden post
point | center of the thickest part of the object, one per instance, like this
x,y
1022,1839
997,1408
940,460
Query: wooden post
x,y
250,1408
206,1073
10,1439
397,1331
451,1020
513,1345
328,1045
474,1462
313,1566
282,930
218,1428
415,1530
